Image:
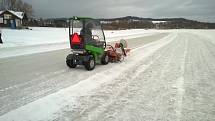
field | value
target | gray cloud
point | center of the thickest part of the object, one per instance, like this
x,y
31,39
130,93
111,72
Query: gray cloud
x,y
202,10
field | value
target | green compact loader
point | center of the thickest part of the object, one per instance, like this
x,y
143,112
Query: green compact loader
x,y
87,43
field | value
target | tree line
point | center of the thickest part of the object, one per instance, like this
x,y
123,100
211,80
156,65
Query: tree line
x,y
125,24
128,24
16,5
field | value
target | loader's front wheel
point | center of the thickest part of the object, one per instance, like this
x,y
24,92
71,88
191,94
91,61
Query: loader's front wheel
x,y
105,59
90,64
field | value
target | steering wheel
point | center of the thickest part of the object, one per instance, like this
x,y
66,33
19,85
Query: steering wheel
x,y
96,37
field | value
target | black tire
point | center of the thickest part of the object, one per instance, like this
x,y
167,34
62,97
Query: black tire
x,y
90,64
70,64
105,59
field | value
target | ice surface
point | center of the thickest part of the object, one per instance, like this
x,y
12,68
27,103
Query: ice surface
x,y
169,79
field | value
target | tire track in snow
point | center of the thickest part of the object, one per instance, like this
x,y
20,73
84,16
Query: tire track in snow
x,y
162,86
180,81
198,101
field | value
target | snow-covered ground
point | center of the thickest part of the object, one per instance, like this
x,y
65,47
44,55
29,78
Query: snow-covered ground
x,y
168,79
46,35
36,36
39,39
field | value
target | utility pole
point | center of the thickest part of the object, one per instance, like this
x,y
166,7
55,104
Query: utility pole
x,y
1,4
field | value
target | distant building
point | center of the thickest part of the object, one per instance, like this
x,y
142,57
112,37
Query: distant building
x,y
12,19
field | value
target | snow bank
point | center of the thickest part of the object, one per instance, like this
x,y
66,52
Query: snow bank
x,y
46,35
115,35
36,36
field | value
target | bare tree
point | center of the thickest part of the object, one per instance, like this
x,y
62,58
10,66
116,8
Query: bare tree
x,y
4,4
27,9
16,5
13,4
19,5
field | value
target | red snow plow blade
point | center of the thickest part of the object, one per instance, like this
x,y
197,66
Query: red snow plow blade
x,y
118,52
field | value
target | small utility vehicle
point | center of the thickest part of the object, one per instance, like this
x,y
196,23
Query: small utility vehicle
x,y
88,45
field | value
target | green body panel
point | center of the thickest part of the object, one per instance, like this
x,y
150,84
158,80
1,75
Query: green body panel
x,y
97,52
94,49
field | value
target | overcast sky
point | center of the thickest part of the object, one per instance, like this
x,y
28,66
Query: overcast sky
x,y
202,10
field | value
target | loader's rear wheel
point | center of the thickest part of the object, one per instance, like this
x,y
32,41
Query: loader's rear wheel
x,y
70,64
90,64
105,59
